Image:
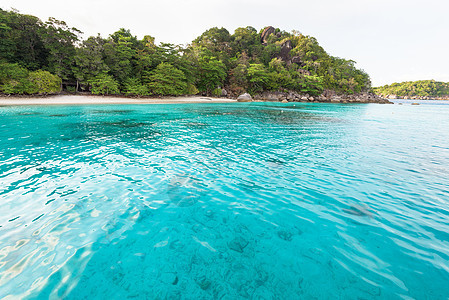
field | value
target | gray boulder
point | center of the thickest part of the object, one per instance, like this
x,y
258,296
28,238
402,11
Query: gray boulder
x,y
286,47
245,98
266,33
296,60
304,72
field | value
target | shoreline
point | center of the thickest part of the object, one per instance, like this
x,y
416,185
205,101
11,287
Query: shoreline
x,y
393,97
89,99
92,99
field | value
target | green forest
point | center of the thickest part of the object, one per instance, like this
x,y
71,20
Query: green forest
x,y
39,57
421,88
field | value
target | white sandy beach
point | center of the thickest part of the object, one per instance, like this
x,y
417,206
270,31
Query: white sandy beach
x,y
85,100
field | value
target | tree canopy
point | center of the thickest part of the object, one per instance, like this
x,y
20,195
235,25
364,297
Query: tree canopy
x,y
243,61
421,88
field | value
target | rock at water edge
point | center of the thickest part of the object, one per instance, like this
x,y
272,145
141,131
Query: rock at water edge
x,y
245,98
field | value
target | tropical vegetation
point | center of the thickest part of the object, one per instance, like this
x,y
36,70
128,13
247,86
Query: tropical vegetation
x,y
420,88
47,57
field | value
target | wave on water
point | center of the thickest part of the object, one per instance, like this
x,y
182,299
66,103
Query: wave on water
x,y
224,201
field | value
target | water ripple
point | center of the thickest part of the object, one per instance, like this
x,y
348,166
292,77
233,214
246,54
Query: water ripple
x,y
224,201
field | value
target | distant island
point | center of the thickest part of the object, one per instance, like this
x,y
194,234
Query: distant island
x,y
40,58
421,89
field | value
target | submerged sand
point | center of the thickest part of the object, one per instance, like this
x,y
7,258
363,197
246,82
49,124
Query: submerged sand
x,y
84,100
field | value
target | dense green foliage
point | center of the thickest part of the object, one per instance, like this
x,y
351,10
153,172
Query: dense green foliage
x,y
44,82
15,79
167,80
104,84
421,88
122,63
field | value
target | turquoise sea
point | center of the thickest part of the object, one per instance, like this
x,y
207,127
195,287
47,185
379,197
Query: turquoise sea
x,y
225,201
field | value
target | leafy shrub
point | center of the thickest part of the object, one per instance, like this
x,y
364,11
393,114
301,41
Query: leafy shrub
x,y
14,80
216,92
238,77
277,64
133,86
312,85
258,78
191,89
45,82
104,84
167,80
212,73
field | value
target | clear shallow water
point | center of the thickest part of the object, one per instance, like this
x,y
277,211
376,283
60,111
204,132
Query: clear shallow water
x,y
224,201
427,102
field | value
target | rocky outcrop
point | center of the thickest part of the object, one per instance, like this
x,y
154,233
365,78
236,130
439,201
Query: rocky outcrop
x,y
415,97
304,72
244,98
326,96
296,60
266,33
286,47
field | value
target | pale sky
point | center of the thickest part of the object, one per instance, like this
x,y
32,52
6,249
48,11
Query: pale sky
x,y
392,40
